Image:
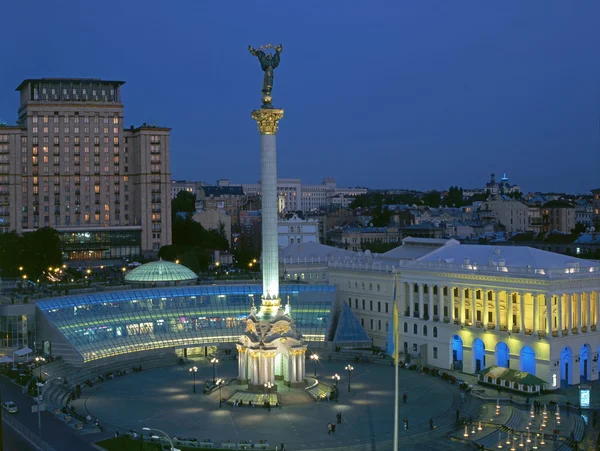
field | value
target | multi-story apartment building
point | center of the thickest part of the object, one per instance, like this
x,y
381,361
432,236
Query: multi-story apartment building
x,y
596,207
297,230
353,238
558,215
226,199
512,214
73,167
300,197
183,185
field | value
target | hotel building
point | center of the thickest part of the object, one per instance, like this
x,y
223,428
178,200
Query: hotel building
x,y
71,165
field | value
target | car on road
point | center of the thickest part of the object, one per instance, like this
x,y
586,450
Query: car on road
x,y
10,407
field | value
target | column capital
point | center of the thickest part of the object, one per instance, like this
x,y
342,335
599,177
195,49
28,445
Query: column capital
x,y
267,119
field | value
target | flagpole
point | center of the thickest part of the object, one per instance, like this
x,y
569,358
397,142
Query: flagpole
x,y
397,375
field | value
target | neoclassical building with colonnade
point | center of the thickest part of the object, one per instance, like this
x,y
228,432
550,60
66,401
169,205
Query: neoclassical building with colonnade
x,y
472,306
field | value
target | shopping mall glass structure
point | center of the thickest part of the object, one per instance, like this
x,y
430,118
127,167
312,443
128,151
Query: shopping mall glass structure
x,y
107,324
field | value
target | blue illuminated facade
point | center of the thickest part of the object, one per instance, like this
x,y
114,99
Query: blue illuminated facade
x,y
101,325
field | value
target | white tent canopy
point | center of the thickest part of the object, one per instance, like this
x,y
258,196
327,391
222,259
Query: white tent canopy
x,y
5,359
22,352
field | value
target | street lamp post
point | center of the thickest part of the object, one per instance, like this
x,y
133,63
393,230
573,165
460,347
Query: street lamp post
x,y
39,360
220,384
39,386
165,434
336,377
349,368
214,361
315,359
194,370
268,386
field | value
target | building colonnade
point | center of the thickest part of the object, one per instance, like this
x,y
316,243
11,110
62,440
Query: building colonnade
x,y
258,366
517,311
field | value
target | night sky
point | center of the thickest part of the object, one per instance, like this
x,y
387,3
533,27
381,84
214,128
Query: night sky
x,y
402,94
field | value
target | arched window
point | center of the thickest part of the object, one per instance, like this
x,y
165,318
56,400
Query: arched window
x,y
405,328
425,331
435,331
415,331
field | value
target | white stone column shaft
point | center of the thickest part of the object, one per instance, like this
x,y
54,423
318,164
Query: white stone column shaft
x,y
462,306
579,307
570,314
509,304
536,312
496,297
441,303
522,312
421,302
268,188
411,298
451,303
484,319
473,308
292,368
549,313
588,311
431,302
559,314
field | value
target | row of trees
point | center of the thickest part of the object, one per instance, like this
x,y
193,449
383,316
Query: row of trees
x,y
434,199
29,254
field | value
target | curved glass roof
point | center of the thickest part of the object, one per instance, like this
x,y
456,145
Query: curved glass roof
x,y
106,324
160,271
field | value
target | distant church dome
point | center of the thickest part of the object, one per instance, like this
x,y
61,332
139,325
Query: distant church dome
x,y
162,273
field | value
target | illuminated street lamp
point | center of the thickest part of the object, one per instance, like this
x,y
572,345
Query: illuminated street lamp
x,y
268,386
194,370
219,383
315,359
123,269
336,377
40,360
349,368
214,362
163,433
177,261
20,268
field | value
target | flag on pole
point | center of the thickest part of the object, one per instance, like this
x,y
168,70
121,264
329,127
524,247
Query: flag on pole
x,y
392,341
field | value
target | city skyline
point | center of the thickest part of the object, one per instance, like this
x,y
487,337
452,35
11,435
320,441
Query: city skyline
x,y
404,96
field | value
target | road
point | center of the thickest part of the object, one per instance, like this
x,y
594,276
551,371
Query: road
x,y
56,433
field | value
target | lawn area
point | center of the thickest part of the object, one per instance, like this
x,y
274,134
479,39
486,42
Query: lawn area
x,y
126,443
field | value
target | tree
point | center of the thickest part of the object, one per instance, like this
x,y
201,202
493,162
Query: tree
x,y
34,252
454,197
183,202
381,216
432,199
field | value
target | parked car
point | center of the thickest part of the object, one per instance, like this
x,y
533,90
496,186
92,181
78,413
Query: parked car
x,y
10,407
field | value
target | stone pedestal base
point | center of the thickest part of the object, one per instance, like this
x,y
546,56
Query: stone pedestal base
x,y
261,388
296,384
239,381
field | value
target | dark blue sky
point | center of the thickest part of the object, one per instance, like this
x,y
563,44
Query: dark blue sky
x,y
421,95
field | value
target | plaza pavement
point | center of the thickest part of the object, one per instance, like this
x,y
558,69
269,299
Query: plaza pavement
x,y
163,399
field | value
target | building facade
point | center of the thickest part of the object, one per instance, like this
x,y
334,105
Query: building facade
x,y
73,167
512,214
297,230
558,215
302,197
470,306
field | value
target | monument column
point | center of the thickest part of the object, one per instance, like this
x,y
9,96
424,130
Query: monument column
x,y
267,119
292,367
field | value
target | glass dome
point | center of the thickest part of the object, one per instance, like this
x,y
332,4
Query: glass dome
x,y
160,272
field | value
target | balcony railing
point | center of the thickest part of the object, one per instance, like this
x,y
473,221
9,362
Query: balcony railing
x,y
515,329
457,322
503,328
491,326
528,331
542,334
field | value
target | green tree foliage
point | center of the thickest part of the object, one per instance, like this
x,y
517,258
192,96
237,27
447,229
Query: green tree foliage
x,y
515,195
381,216
193,244
374,199
432,199
454,197
34,252
183,202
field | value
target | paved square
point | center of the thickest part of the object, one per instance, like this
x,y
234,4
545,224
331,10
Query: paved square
x,y
163,398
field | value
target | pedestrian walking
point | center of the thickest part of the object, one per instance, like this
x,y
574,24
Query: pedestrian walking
x,y
404,398
333,428
457,414
329,428
431,424
406,424
339,417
